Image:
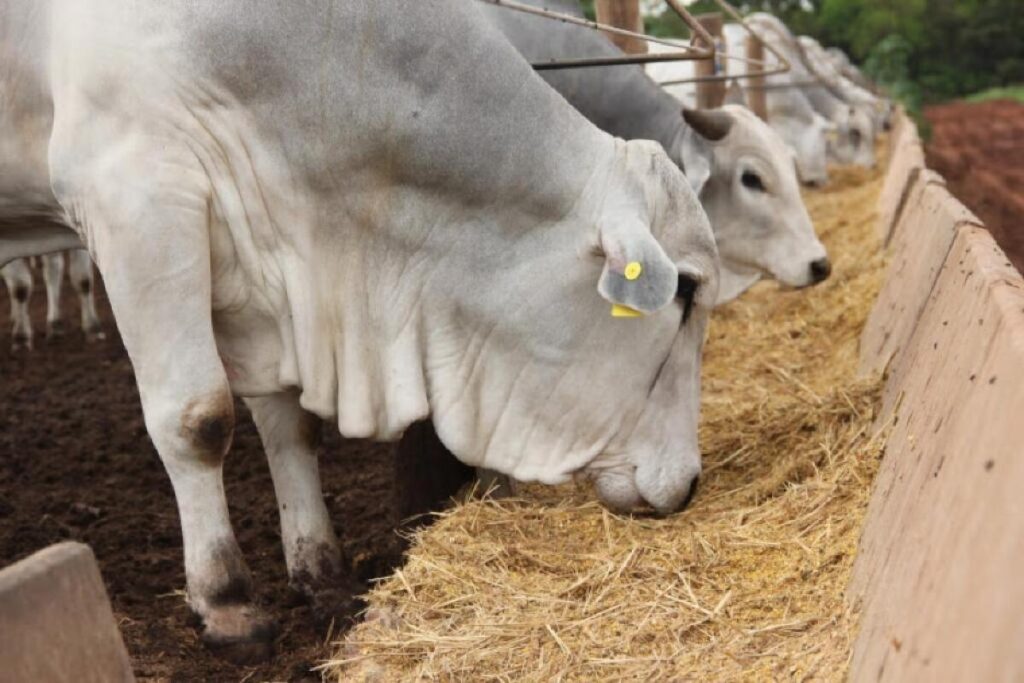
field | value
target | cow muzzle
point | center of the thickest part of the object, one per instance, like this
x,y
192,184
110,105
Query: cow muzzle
x,y
820,269
643,490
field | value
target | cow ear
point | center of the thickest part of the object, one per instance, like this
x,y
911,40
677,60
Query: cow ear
x,y
696,155
638,275
735,94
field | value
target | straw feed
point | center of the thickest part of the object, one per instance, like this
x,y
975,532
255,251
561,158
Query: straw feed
x,y
747,584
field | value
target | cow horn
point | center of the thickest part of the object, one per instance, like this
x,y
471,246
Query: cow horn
x,y
710,124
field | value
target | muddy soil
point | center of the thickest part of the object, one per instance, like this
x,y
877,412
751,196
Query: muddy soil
x,y
979,148
76,463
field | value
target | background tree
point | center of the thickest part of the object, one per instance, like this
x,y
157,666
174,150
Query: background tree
x,y
922,50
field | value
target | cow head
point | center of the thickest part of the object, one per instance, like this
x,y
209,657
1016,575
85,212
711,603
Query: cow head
x,y
855,143
884,112
747,182
806,132
878,110
862,135
581,356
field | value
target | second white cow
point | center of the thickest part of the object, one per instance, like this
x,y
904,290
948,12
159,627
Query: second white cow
x,y
18,278
742,171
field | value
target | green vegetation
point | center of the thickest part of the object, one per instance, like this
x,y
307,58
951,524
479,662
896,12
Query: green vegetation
x,y
945,48
1015,92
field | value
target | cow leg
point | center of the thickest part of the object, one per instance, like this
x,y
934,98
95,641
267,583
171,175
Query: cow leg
x,y
315,568
189,413
53,276
499,485
154,254
83,281
427,475
18,279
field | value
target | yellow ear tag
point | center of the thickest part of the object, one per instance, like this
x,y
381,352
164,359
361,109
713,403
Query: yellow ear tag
x,y
620,311
632,272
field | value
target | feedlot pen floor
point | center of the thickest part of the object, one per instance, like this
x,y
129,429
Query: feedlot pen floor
x,y
748,581
76,463
747,584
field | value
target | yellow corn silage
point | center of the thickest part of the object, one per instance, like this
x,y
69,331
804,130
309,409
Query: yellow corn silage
x,y
747,584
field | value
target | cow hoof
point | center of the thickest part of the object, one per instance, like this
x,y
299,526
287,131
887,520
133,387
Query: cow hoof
x,y
334,607
54,329
93,336
387,617
496,484
21,343
240,634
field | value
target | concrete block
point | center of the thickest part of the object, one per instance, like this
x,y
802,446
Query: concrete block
x,y
940,570
920,243
905,165
899,119
56,624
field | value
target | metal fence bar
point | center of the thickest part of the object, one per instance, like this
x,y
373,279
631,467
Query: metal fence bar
x,y
783,66
704,50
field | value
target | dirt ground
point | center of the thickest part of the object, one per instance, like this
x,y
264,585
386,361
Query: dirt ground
x,y
979,148
76,463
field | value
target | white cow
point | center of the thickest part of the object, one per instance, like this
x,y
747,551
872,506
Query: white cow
x,y
17,276
854,142
872,108
841,61
368,212
741,170
790,115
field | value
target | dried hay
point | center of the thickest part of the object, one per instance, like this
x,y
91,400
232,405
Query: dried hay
x,y
747,584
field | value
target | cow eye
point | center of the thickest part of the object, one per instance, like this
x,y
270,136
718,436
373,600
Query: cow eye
x,y
686,290
752,181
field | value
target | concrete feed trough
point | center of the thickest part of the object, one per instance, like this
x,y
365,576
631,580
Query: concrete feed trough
x,y
56,622
939,567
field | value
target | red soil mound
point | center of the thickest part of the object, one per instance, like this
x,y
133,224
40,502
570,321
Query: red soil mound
x,y
979,148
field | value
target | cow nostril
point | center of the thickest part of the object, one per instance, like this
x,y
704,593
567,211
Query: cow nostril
x,y
820,270
690,494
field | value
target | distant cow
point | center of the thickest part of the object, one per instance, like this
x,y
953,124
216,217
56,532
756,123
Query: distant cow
x,y
854,141
790,114
872,107
842,62
17,276
742,171
371,212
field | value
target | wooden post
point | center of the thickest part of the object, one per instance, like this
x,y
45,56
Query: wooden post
x,y
624,14
711,94
757,96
